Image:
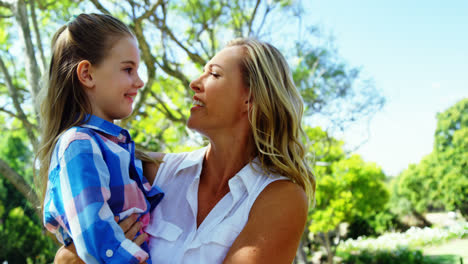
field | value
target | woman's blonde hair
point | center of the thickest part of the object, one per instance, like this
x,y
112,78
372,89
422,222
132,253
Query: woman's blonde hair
x,y
64,103
276,112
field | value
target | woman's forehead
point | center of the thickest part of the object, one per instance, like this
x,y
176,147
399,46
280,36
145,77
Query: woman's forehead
x,y
228,57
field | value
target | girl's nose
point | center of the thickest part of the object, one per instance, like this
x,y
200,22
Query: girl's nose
x,y
139,82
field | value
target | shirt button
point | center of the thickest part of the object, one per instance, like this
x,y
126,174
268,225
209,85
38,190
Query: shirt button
x,y
109,253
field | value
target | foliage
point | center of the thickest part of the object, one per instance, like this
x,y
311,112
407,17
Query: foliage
x,y
24,239
349,189
413,238
176,39
20,229
440,180
401,255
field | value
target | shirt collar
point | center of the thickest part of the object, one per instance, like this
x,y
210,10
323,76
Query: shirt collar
x,y
249,175
99,124
246,177
194,158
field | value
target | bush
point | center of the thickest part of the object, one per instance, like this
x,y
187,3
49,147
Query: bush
x,y
398,247
23,241
401,255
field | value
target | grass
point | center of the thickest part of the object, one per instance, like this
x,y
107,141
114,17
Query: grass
x,y
450,252
442,259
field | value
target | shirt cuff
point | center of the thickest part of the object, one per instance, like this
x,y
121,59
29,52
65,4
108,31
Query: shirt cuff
x,y
127,252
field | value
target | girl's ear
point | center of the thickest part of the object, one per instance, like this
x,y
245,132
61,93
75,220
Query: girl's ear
x,y
84,74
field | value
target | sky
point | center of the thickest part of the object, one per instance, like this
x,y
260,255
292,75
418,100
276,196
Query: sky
x,y
416,52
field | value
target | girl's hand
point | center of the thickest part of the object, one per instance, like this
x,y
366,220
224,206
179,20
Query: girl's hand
x,y
67,255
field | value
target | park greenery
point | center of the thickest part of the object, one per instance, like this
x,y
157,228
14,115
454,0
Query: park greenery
x,y
176,39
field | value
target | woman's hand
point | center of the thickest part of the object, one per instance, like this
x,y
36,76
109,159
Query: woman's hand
x,y
129,225
67,255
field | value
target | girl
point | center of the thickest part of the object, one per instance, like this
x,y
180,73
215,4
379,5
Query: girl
x,y
88,160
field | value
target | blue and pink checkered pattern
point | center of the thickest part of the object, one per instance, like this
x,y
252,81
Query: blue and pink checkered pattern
x,y
94,176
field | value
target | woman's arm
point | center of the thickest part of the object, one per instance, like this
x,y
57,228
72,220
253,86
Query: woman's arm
x,y
275,226
150,169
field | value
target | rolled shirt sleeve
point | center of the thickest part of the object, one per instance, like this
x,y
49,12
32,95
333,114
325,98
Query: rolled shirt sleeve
x,y
80,187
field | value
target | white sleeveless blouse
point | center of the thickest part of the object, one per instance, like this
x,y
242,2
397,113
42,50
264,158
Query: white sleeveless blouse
x,y
174,237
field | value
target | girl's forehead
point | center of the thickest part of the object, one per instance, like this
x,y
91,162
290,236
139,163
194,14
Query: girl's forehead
x,y
125,49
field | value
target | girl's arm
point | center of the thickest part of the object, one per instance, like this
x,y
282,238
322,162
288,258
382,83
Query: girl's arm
x,y
79,193
68,255
275,226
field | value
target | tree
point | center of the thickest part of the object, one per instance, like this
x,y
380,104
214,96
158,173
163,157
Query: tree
x,y
451,153
176,39
440,180
349,189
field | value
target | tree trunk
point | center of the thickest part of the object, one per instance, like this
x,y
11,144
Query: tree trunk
x,y
21,185
421,218
326,239
32,69
301,256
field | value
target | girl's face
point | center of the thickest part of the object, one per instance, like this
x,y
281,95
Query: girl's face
x,y
116,81
221,98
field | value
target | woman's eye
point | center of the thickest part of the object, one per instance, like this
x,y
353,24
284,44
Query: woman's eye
x,y
216,75
128,70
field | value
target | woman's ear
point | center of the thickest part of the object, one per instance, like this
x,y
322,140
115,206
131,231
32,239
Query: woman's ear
x,y
248,103
84,73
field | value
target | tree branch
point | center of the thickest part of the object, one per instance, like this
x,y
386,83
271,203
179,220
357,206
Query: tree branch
x,y
174,73
149,12
6,4
14,96
252,17
100,7
38,35
161,25
168,112
149,61
20,184
32,69
267,11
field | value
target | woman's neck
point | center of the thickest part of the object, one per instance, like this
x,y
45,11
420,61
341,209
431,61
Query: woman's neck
x,y
224,158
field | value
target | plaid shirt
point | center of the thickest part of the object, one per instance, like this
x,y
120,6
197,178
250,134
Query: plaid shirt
x,y
93,175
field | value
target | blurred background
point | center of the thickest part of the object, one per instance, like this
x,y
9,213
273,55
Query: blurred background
x,y
386,113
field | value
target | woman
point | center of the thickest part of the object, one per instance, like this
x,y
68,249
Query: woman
x,y
244,197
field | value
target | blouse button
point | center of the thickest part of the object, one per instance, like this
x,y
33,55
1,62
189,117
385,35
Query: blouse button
x,y
109,253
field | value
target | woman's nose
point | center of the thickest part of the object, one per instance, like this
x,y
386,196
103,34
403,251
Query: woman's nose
x,y
195,84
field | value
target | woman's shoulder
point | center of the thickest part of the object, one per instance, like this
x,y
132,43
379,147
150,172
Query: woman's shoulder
x,y
285,193
275,224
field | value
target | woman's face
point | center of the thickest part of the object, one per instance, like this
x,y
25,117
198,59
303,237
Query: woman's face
x,y
220,103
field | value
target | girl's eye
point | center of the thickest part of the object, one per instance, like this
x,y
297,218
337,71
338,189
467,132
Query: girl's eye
x,y
128,70
216,75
